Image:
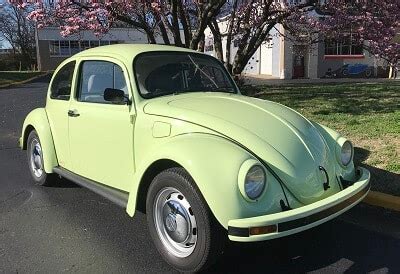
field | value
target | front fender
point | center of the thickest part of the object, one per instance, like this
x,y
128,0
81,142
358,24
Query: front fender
x,y
37,119
214,163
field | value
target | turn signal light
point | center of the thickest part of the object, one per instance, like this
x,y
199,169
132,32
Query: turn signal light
x,y
263,229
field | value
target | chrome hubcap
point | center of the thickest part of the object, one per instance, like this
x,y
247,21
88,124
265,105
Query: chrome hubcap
x,y
175,222
36,158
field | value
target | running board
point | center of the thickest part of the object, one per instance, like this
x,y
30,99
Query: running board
x,y
116,196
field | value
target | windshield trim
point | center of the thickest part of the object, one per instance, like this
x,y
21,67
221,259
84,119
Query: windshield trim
x,y
174,52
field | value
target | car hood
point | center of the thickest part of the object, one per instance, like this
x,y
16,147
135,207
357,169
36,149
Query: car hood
x,y
284,139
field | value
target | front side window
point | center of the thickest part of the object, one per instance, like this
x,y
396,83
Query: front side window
x,y
96,77
164,73
62,82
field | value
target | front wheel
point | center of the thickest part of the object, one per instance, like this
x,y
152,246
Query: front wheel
x,y
181,225
36,163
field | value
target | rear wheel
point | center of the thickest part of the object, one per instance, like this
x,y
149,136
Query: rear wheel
x,y
368,72
181,225
36,163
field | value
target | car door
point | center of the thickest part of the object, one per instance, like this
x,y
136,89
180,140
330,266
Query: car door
x,y
100,132
57,106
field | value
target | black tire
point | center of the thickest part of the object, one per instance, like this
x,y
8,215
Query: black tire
x,y
211,236
44,179
368,73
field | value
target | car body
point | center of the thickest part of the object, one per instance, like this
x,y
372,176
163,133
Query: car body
x,y
169,133
349,70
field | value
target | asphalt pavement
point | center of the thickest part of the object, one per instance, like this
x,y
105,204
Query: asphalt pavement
x,y
69,229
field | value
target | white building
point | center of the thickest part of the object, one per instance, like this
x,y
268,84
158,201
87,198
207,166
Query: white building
x,y
52,48
282,58
279,57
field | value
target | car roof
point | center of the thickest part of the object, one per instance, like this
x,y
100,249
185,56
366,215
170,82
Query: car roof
x,y
127,51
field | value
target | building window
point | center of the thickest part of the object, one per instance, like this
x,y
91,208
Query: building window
x,y
85,45
54,48
345,47
94,44
68,48
74,47
64,48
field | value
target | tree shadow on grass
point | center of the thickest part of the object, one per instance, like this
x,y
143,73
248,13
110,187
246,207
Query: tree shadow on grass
x,y
381,180
355,98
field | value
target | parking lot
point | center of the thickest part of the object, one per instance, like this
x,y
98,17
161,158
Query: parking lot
x,y
68,228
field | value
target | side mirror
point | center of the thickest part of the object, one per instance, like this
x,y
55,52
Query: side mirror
x,y
116,96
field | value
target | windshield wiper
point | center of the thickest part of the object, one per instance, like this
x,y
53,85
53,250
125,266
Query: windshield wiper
x,y
205,74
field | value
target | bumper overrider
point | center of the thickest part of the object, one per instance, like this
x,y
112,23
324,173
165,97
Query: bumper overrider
x,y
277,225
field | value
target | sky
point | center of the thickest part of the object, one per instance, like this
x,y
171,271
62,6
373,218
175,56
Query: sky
x,y
3,44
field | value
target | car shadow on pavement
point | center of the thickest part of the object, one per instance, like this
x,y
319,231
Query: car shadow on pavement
x,y
381,180
85,233
64,183
335,247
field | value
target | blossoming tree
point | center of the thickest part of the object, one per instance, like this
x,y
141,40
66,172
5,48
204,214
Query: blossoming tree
x,y
162,17
370,23
373,24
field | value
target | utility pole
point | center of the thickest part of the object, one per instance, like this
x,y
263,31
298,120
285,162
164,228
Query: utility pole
x,y
38,61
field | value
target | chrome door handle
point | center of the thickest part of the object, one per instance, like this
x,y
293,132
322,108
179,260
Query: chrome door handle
x,y
73,113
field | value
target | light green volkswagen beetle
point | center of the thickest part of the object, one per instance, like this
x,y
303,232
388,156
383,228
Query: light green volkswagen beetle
x,y
165,130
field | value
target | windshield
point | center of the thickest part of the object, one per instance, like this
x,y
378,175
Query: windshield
x,y
164,73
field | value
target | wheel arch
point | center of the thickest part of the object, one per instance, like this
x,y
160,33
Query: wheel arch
x,y
148,176
29,128
37,120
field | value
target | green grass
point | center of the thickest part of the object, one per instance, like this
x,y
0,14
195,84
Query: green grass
x,y
9,77
366,113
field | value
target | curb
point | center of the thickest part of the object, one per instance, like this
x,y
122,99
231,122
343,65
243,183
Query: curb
x,y
24,81
383,200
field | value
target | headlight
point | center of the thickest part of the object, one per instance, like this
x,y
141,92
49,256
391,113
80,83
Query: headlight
x,y
255,182
346,153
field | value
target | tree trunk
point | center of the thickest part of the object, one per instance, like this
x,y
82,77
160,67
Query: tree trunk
x,y
185,21
164,33
175,24
200,46
206,13
163,30
229,68
245,53
150,37
213,25
229,35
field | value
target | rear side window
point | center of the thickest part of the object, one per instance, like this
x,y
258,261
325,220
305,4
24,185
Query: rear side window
x,y
95,77
62,82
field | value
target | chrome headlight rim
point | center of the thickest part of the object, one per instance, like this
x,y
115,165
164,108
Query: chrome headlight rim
x,y
246,167
343,142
